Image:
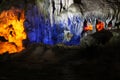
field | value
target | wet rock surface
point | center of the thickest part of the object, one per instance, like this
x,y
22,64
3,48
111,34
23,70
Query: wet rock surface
x,y
94,62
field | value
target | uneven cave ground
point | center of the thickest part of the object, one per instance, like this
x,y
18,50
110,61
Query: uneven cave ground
x,y
97,60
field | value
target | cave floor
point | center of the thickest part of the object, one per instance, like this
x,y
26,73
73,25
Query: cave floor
x,y
69,65
40,62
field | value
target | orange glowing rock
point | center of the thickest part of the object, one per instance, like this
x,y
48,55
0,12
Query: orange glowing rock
x,y
12,29
100,25
89,27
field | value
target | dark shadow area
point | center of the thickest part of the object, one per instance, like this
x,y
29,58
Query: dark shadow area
x,y
103,36
2,39
43,62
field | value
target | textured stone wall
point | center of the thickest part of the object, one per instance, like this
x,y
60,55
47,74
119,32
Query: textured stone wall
x,y
64,20
106,10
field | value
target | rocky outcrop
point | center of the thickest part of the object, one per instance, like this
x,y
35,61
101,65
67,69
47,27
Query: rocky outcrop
x,y
64,20
92,10
104,10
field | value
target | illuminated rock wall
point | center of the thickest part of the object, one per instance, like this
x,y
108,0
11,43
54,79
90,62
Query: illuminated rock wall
x,y
38,28
63,21
45,26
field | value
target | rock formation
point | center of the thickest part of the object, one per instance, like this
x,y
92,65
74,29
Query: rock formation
x,y
76,17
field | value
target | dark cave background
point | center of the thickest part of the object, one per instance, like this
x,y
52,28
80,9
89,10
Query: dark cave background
x,y
98,57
